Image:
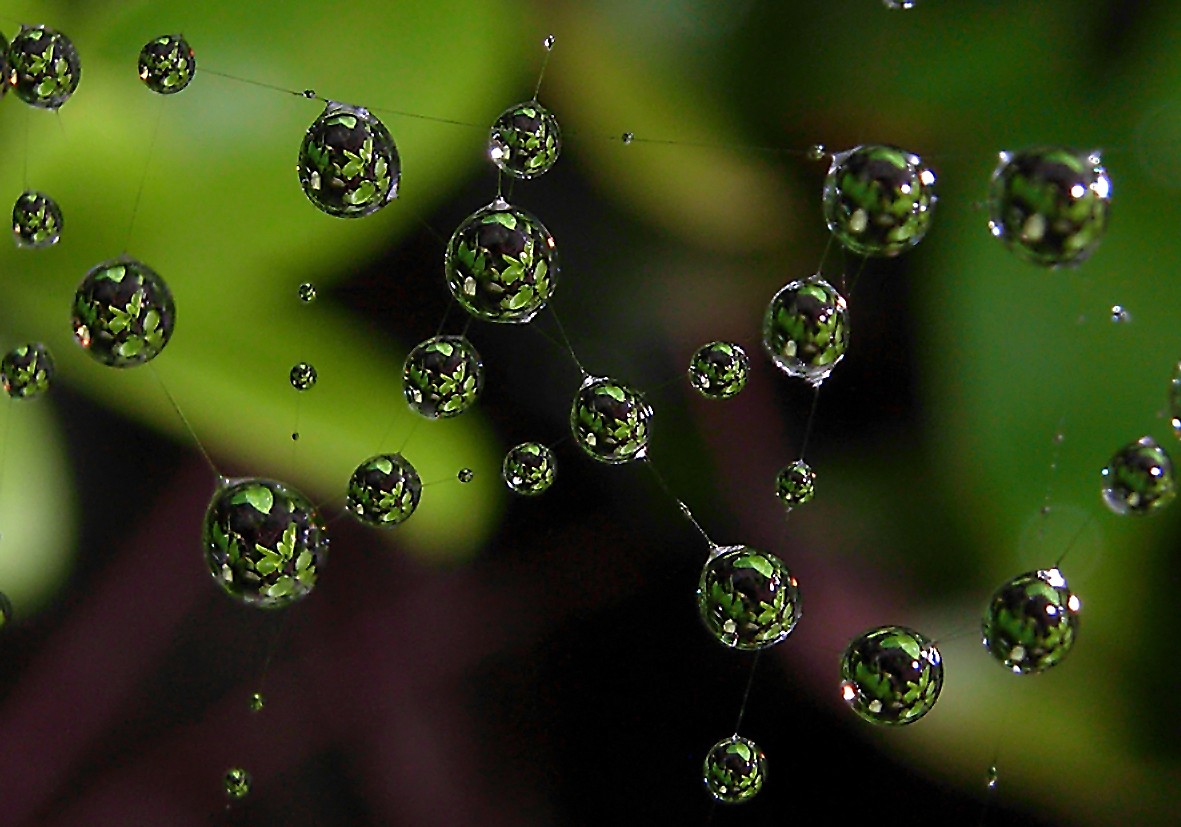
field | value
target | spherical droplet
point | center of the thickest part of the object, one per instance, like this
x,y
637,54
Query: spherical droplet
x,y
123,313
1049,204
878,200
26,371
1031,621
465,475
43,67
817,152
719,370
525,141
36,220
529,469
237,783
443,377
5,611
310,94
257,702
264,542
303,376
348,164
734,770
501,264
384,490
549,42
891,675
747,598
806,329
628,137
1139,478
1120,314
795,484
307,292
611,421
167,64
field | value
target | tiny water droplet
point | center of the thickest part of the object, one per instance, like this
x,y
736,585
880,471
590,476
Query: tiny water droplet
x,y
466,475
307,292
992,777
899,4
1059,438
237,783
549,42
1120,314
310,94
628,137
257,702
816,152
303,376
295,436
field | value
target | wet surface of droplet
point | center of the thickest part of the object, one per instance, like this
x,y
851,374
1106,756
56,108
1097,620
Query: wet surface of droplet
x,y
1031,621
167,64
123,313
384,490
26,371
891,675
719,370
734,770
878,200
442,377
348,164
747,598
806,329
1139,478
611,421
43,67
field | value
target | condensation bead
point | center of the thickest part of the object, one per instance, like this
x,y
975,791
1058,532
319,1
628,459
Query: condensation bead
x,y
1031,621
719,370
43,67
1049,204
26,371
348,164
891,675
237,782
303,376
1139,478
734,770
384,490
264,542
878,200
36,220
124,314
501,264
795,484
525,140
806,329
443,377
529,469
167,64
611,421
747,598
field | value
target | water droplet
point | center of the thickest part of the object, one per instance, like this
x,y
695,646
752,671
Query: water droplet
x,y
549,42
525,140
817,152
1031,621
719,370
257,702
734,770
795,484
5,611
303,376
628,137
264,542
1049,204
465,475
1175,401
992,777
167,64
878,200
611,421
1119,314
529,469
501,264
891,675
123,313
442,377
307,292
348,164
310,94
26,371
806,329
384,490
747,598
43,67
237,783
1139,478
36,220
295,436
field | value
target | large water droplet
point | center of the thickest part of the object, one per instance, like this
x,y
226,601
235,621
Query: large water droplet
x,y
123,313
167,64
891,675
525,141
43,67
1031,621
734,770
747,598
529,469
1139,478
442,377
384,490
27,371
611,421
348,164
878,200
36,220
719,370
806,329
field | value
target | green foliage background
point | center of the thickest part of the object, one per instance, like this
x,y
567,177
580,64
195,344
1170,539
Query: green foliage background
x,y
926,522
